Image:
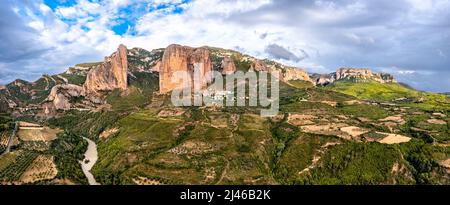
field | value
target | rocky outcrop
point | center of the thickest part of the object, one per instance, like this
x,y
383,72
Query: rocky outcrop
x,y
259,65
323,79
295,74
110,75
363,74
228,67
387,78
157,67
182,58
354,75
141,60
357,73
60,95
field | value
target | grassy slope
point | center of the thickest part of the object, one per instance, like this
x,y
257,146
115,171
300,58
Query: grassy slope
x,y
391,91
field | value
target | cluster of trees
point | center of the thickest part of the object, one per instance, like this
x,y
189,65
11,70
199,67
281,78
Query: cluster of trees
x,y
6,123
420,156
89,124
68,150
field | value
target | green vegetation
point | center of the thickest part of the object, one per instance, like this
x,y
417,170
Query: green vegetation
x,y
423,160
68,150
6,123
373,90
299,154
89,124
16,92
139,94
356,163
74,78
88,65
301,84
392,91
14,171
368,111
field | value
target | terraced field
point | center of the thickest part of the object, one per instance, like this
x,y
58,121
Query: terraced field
x,y
12,173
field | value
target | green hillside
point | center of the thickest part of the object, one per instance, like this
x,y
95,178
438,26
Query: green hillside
x,y
392,92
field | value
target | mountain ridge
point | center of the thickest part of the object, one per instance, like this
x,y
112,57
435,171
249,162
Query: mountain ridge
x,y
99,78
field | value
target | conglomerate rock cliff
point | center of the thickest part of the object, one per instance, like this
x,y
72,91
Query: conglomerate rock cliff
x,y
110,75
185,59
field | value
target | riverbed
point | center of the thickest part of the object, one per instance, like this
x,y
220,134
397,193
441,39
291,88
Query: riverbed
x,y
90,157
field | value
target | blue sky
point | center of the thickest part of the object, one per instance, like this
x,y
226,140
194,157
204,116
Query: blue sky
x,y
408,38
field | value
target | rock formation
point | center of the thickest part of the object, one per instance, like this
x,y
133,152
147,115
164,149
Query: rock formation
x,y
295,74
110,75
157,67
363,74
60,96
182,58
258,65
322,79
354,75
228,66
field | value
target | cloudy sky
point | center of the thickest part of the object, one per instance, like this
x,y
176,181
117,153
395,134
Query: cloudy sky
x,y
408,38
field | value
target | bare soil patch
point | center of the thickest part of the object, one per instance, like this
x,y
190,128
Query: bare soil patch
x,y
394,139
437,122
108,133
328,129
446,163
45,134
397,119
439,115
354,131
301,119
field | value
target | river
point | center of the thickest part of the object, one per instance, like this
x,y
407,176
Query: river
x,y
90,157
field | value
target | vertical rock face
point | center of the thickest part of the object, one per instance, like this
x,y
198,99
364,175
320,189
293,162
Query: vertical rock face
x,y
228,66
295,74
110,75
185,59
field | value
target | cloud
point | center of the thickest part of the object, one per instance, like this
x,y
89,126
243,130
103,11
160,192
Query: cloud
x,y
319,35
279,52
